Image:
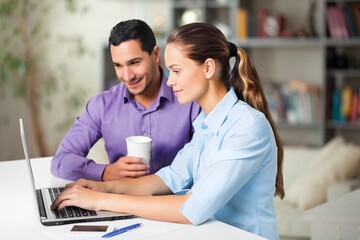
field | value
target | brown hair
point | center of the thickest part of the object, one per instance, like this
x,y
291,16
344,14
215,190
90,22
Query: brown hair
x,y
202,41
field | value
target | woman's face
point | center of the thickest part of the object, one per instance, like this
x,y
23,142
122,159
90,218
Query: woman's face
x,y
186,77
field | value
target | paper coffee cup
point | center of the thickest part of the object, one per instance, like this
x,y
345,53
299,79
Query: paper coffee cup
x,y
139,146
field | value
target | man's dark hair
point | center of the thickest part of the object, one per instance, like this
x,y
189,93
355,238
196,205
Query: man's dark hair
x,y
133,29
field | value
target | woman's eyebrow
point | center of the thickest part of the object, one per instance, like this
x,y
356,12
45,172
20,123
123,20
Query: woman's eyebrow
x,y
173,65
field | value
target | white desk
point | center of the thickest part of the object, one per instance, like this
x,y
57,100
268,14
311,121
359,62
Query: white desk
x,y
17,197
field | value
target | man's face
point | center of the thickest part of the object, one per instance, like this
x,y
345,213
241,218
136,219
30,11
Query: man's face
x,y
134,67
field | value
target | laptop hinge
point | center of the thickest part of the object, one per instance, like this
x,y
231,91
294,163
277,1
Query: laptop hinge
x,y
41,204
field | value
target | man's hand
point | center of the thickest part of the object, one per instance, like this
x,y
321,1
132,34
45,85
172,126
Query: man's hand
x,y
125,167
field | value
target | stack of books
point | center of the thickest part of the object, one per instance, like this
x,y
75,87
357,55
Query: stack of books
x,y
343,21
345,105
295,102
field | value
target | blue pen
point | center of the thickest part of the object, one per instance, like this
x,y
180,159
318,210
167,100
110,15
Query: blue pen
x,y
122,230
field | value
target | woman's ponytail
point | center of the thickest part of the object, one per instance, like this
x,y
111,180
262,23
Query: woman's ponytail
x,y
246,83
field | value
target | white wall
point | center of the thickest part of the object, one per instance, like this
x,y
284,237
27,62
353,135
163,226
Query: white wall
x,y
95,27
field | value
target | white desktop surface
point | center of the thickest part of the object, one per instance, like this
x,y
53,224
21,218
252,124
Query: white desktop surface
x,y
19,217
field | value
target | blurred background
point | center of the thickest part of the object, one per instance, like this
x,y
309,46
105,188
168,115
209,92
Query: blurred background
x,y
54,57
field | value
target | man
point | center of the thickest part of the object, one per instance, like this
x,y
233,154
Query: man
x,y
141,104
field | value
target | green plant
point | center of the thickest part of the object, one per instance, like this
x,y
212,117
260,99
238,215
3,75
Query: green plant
x,y
22,73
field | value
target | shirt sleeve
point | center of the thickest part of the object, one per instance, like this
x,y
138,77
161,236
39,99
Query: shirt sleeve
x,y
179,176
229,170
70,160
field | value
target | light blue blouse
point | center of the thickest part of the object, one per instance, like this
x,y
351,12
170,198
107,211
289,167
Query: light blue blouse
x,y
230,167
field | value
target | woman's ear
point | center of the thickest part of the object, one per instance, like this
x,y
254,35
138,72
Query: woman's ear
x,y
209,68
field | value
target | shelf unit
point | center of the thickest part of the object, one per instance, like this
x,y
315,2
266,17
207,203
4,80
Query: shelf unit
x,y
342,70
299,49
302,56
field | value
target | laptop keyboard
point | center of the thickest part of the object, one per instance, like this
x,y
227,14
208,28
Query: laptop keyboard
x,y
68,212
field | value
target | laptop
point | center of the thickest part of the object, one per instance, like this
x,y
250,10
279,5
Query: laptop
x,y
45,197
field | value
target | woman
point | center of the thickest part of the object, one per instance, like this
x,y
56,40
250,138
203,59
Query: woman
x,y
230,170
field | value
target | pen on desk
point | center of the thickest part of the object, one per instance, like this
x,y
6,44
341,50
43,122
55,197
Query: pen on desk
x,y
122,230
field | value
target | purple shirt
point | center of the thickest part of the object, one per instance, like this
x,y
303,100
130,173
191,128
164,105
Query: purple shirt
x,y
114,115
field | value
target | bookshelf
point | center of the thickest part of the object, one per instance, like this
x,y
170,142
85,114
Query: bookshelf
x,y
296,45
342,80
289,41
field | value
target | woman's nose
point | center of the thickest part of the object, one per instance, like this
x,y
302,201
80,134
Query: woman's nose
x,y
170,82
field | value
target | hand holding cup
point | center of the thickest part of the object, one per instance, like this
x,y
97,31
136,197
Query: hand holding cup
x,y
139,146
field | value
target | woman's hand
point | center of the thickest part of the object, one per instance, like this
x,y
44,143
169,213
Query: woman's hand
x,y
92,185
79,196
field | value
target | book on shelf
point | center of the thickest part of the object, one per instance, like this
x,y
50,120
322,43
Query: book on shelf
x,y
275,101
252,21
335,106
242,23
262,15
346,101
355,10
355,109
308,95
350,20
336,22
294,102
246,21
345,105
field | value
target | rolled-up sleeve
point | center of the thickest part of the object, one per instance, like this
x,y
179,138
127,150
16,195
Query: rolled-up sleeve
x,y
228,171
179,175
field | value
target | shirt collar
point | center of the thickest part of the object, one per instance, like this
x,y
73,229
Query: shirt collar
x,y
218,115
165,91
